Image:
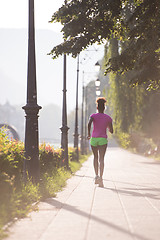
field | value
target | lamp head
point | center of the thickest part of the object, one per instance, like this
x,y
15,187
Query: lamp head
x,y
97,82
97,66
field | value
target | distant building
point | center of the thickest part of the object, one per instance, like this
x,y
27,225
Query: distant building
x,y
13,116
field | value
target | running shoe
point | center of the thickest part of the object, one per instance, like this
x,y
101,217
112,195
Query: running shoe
x,y
101,183
97,179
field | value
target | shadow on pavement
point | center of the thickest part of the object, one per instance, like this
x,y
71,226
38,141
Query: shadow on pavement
x,y
152,163
75,210
134,192
130,191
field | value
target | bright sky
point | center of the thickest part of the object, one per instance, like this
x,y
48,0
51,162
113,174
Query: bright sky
x,y
14,13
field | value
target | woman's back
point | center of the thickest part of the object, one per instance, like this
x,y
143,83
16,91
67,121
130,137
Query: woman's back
x,y
101,122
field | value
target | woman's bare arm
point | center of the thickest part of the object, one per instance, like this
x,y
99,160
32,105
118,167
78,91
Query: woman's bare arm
x,y
89,128
111,127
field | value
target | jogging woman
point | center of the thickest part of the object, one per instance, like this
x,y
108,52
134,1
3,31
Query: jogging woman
x,y
98,139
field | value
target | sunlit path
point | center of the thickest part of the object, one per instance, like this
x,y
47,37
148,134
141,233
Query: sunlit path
x,y
128,207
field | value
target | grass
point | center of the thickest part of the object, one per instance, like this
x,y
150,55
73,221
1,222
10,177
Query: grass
x,y
75,166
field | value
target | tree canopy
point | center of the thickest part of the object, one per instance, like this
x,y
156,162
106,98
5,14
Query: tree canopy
x,y
135,23
84,23
142,44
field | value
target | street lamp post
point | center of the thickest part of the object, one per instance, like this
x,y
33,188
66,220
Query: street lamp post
x,y
64,128
86,120
82,117
76,115
31,162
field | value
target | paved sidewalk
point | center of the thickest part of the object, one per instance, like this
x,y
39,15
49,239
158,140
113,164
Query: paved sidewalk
x,y
128,207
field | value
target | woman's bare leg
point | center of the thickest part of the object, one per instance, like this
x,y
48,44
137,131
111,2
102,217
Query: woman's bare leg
x,y
95,161
102,151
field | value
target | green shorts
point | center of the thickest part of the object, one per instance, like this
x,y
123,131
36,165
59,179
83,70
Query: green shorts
x,y
98,141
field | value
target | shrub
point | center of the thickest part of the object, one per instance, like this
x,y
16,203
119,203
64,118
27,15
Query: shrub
x,y
72,154
11,157
50,158
123,139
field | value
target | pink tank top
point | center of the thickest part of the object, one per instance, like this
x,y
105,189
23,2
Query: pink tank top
x,y
100,124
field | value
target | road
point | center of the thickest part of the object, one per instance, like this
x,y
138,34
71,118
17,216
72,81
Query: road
x,y
127,208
